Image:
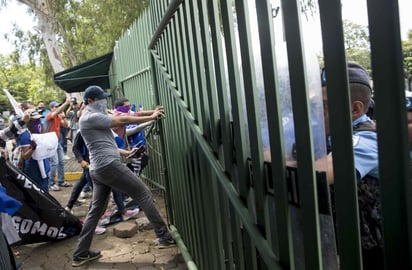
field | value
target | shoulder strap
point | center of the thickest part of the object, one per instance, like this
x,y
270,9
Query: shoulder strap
x,y
365,126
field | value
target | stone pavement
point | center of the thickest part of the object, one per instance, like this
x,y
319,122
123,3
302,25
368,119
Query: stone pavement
x,y
136,252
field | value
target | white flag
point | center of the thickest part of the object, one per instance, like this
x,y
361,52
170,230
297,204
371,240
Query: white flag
x,y
13,103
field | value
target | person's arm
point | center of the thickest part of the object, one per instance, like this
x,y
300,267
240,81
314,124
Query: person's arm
x,y
320,166
64,123
69,110
138,128
128,153
27,152
15,127
28,146
142,113
77,147
60,108
409,115
79,112
146,112
127,119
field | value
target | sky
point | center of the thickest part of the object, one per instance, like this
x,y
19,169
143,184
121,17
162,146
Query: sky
x,y
13,13
353,10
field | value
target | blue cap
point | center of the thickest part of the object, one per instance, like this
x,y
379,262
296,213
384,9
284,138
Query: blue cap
x,y
54,104
94,92
356,74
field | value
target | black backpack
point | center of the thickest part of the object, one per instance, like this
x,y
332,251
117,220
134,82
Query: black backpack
x,y
369,200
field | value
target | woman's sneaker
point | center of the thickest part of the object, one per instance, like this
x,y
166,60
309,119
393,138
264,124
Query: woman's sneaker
x,y
85,195
91,256
79,202
65,184
99,230
69,210
55,187
128,214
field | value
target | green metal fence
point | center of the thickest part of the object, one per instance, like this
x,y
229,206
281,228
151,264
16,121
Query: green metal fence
x,y
240,88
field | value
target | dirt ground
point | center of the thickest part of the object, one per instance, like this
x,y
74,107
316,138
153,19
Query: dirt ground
x,y
136,252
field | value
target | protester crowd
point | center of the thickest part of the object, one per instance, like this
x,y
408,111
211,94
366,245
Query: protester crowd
x,y
62,121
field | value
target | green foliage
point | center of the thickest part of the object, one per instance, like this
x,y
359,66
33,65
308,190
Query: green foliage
x,y
356,36
91,27
25,82
357,43
85,29
407,59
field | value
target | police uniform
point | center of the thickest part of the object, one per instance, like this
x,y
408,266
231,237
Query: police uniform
x,y
365,148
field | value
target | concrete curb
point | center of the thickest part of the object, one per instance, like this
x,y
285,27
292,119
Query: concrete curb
x,y
72,176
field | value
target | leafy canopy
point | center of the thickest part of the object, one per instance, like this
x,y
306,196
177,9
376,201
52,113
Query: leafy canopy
x,y
85,30
407,59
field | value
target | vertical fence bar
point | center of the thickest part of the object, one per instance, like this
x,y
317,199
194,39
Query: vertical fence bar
x,y
341,131
278,164
224,135
207,130
209,82
253,115
240,171
391,118
303,134
190,69
198,60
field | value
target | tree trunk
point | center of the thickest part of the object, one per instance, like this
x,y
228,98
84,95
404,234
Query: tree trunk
x,y
46,27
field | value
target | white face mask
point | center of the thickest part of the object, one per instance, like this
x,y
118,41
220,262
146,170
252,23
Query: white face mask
x,y
99,105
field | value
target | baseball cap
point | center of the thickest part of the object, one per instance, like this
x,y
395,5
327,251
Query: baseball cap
x,y
54,104
73,99
34,114
94,92
356,74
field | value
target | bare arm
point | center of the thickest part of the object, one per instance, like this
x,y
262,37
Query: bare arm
x,y
126,119
67,113
79,112
148,112
144,113
60,108
132,131
409,115
321,165
26,152
328,169
11,131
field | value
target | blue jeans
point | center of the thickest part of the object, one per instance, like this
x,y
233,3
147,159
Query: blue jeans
x,y
62,139
57,163
118,199
77,189
87,187
118,177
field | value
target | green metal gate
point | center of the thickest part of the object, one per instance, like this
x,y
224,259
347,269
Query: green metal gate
x,y
222,153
